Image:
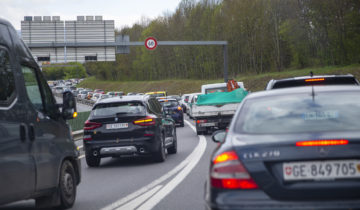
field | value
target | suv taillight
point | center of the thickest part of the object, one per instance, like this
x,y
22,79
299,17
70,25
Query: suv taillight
x,y
91,125
228,172
147,121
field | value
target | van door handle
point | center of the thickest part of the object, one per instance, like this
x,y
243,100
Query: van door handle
x,y
22,132
31,132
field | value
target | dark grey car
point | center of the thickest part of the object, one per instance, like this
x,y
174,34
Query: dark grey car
x,y
38,159
292,148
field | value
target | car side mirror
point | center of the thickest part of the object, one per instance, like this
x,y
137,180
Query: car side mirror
x,y
69,106
219,136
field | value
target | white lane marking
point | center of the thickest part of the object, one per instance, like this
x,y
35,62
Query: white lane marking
x,y
139,200
80,146
148,187
191,126
171,185
81,156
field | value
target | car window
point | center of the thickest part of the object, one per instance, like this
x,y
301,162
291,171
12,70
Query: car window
x,y
32,87
155,106
214,90
300,113
118,109
49,101
7,82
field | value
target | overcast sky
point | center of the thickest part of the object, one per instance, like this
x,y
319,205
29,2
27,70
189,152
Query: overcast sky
x,y
124,12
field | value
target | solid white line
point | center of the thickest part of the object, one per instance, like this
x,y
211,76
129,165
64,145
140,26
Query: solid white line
x,y
81,156
156,182
171,185
139,200
81,146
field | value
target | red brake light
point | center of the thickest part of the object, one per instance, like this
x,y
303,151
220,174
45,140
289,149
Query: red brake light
x,y
315,80
201,121
331,142
145,121
228,172
91,125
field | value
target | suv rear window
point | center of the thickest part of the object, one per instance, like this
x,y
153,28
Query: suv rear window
x,y
114,109
300,113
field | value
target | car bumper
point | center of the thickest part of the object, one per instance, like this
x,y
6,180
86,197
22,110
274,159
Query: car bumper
x,y
256,199
132,147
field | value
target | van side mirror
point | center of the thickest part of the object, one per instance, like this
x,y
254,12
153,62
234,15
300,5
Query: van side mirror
x,y
219,136
69,106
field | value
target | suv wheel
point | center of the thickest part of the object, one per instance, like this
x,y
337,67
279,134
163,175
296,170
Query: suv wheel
x,y
173,148
65,195
91,160
160,155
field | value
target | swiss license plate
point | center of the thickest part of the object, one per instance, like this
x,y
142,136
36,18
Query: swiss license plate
x,y
117,125
321,170
207,124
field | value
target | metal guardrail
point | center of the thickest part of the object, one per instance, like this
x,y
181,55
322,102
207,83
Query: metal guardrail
x,y
78,135
78,100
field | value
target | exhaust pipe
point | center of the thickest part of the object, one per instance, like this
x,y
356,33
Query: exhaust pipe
x,y
142,150
95,153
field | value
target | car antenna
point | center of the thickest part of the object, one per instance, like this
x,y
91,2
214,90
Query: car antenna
x,y
313,92
311,74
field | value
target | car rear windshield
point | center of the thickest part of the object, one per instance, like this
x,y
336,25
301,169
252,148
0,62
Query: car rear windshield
x,y
214,90
316,81
118,109
158,95
169,103
300,113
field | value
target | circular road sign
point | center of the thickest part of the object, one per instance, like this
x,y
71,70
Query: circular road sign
x,y
151,43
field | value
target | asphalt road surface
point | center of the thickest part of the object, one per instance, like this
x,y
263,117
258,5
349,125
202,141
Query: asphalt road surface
x,y
139,183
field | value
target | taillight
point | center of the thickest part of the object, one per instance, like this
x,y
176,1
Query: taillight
x,y
91,125
145,121
201,121
315,80
330,142
228,172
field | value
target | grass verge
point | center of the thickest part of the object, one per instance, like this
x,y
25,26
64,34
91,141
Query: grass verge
x,y
78,123
177,86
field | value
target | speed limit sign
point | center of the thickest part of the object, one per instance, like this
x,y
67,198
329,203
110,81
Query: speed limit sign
x,y
151,43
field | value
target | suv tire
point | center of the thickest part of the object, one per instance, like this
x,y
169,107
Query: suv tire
x,y
173,148
160,155
92,161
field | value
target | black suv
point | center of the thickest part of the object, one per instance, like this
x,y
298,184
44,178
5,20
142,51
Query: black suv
x,y
128,126
312,80
38,157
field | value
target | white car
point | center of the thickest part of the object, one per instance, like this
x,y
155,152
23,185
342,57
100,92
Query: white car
x,y
96,96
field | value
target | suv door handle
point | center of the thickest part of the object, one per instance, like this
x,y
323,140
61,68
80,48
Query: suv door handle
x,y
22,132
31,132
